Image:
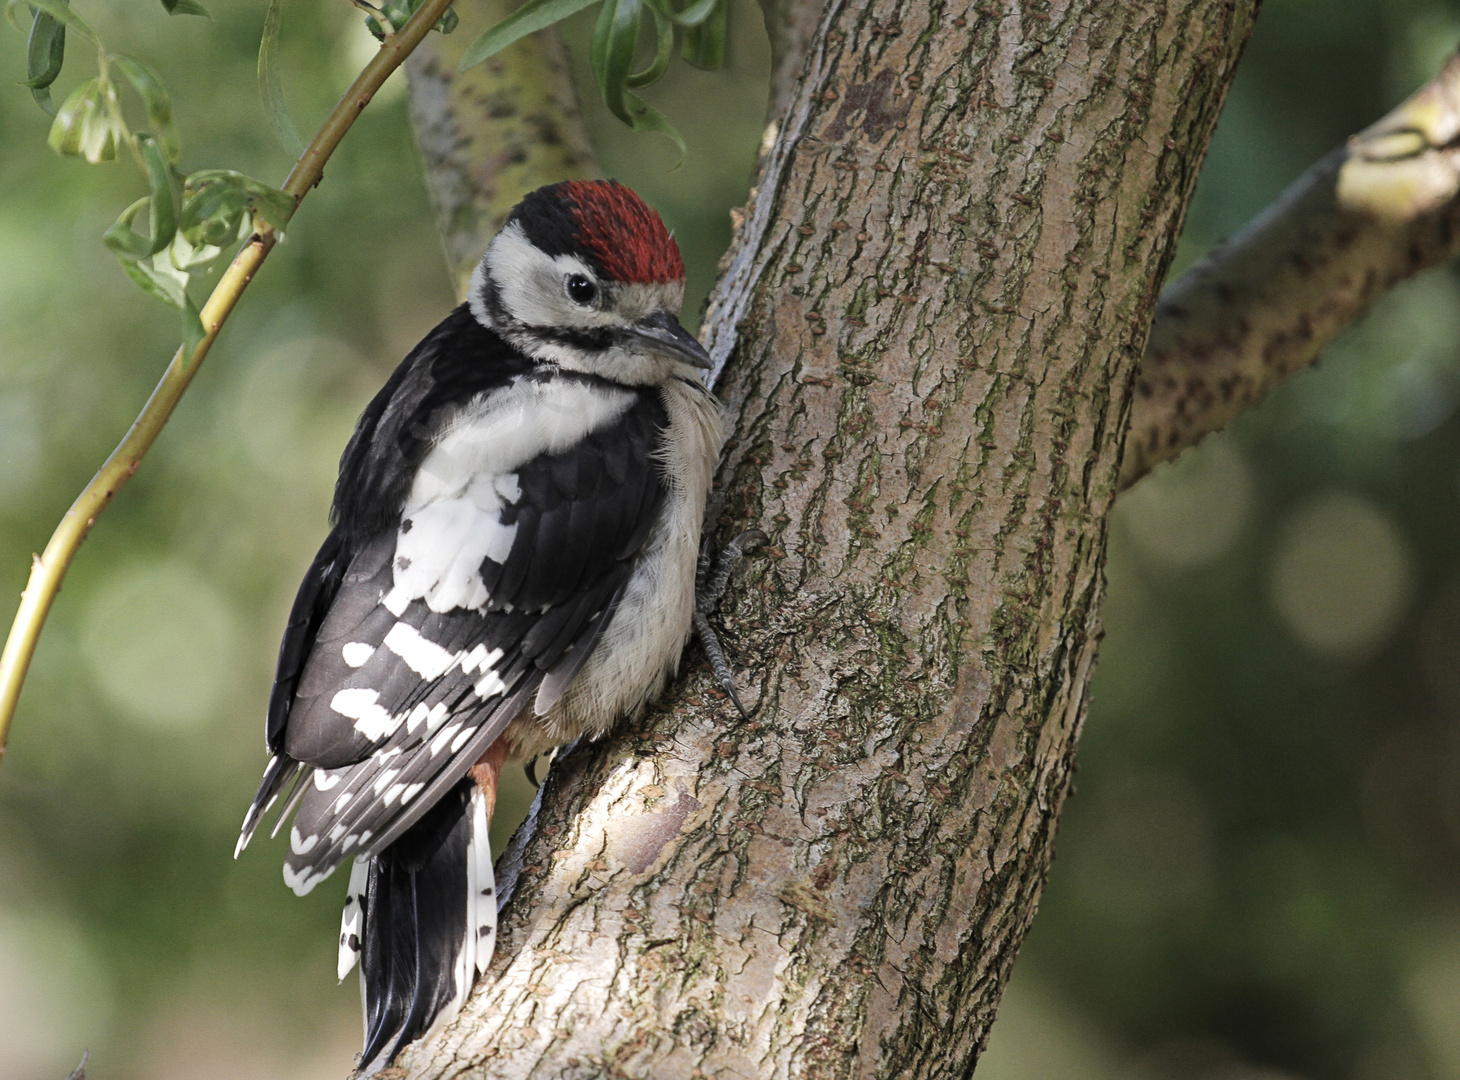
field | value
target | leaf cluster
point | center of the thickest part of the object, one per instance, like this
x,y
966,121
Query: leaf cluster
x,y
190,218
701,25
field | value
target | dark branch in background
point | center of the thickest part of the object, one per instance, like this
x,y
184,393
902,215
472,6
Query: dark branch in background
x,y
1262,305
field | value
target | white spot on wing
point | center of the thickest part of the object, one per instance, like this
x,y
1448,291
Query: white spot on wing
x,y
479,658
325,779
360,705
396,601
301,881
357,652
423,656
446,735
489,684
298,844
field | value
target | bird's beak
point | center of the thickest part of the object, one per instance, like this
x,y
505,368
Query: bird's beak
x,y
661,333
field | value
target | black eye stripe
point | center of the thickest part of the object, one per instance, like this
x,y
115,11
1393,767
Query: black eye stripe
x,y
579,289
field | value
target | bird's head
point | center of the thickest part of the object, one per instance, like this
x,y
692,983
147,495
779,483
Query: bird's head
x,y
585,275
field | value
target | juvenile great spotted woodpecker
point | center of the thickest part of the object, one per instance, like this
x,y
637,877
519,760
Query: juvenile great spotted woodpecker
x,y
512,566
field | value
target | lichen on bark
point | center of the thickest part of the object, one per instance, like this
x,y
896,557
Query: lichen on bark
x,y
929,327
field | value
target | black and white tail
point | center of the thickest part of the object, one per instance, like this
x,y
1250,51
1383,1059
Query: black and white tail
x,y
421,918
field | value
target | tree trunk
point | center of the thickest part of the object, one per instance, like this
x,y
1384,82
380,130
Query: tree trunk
x,y
929,322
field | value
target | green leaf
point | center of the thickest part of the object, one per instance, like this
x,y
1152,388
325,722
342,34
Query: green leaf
x,y
271,83
213,216
612,55
186,7
156,101
647,118
615,37
664,49
159,286
83,126
45,51
170,286
691,16
529,18
704,45
57,10
164,204
275,207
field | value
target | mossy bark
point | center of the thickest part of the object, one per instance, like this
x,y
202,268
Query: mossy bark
x,y
929,328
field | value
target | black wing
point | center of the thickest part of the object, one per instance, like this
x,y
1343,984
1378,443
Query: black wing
x,y
456,360
397,700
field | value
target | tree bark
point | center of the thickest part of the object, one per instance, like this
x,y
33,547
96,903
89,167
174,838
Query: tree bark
x,y
929,325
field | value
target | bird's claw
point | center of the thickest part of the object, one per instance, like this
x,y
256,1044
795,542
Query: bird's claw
x,y
709,588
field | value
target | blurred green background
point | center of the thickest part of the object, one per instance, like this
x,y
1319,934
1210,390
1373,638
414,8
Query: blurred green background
x,y
1259,876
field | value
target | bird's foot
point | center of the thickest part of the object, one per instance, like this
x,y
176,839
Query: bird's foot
x,y
709,588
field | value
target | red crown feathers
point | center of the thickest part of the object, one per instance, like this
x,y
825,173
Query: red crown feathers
x,y
624,232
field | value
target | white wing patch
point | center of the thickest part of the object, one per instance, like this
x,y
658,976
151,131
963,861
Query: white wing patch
x,y
452,519
355,653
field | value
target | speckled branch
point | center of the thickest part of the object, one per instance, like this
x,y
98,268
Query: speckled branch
x,y
1262,305
490,135
929,328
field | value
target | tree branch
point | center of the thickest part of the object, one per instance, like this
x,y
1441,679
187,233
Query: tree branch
x,y
49,568
929,327
492,134
1263,305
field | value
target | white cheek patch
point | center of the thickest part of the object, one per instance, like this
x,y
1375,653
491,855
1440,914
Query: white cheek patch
x,y
530,283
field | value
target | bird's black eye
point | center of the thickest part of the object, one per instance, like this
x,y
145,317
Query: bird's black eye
x,y
580,289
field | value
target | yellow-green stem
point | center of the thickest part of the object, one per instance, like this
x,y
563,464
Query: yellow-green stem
x,y
49,568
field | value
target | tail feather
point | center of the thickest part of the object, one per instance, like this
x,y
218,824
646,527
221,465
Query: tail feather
x,y
352,923
279,772
429,922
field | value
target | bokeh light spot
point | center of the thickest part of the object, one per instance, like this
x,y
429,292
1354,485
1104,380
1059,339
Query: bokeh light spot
x,y
1190,513
1342,575
161,644
54,998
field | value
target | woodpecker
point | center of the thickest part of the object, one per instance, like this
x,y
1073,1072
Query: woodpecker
x,y
512,565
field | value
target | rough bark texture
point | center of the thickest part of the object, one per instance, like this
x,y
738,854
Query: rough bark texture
x,y
490,135
931,320
1261,306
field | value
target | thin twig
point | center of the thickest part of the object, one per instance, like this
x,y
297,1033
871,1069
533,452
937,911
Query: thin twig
x,y
49,568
